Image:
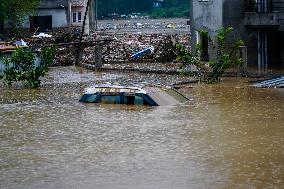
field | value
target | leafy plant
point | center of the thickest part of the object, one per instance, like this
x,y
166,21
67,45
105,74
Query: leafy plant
x,y
225,58
14,12
21,67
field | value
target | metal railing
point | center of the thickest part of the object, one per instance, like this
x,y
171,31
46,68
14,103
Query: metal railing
x,y
265,5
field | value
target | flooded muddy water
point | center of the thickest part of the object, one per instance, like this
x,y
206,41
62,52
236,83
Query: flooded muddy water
x,y
227,136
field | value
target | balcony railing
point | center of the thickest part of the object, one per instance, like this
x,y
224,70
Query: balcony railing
x,y
265,6
262,19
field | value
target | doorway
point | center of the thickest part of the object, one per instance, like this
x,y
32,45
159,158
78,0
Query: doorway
x,y
204,46
40,23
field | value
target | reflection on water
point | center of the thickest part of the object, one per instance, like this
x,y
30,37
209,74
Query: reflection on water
x,y
226,136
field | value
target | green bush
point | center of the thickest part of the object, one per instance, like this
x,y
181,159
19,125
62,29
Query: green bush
x,y
23,67
226,58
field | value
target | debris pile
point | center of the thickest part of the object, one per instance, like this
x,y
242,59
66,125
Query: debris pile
x,y
143,24
139,48
126,48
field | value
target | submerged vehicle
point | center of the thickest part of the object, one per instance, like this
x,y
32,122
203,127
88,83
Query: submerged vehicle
x,y
113,94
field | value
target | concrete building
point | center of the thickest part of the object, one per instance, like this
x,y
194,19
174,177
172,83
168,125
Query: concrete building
x,y
58,14
78,10
260,23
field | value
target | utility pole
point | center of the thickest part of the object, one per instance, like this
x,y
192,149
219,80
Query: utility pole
x,y
69,16
92,14
79,52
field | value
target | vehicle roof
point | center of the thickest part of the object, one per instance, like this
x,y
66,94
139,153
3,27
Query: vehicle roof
x,y
113,89
161,95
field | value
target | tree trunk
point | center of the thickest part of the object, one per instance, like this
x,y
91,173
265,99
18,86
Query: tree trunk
x,y
1,26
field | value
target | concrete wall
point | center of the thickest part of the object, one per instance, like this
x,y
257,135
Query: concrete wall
x,y
59,17
79,9
213,14
205,15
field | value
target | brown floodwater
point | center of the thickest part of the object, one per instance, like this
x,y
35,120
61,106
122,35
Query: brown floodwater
x,y
226,136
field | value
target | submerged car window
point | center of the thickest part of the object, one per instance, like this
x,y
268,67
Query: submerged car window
x,y
129,100
139,101
135,100
108,99
89,98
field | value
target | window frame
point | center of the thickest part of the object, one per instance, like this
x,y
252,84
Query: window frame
x,y
77,17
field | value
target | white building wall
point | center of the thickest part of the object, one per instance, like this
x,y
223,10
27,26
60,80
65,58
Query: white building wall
x,y
59,17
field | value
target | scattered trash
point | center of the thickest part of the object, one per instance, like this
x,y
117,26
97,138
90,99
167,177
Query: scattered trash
x,y
21,43
142,53
128,48
42,35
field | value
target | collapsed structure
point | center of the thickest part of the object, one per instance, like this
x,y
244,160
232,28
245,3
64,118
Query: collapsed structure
x,y
260,23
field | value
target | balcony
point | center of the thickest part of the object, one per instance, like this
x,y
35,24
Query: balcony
x,y
262,19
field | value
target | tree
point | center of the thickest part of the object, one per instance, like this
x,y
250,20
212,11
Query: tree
x,y
13,12
170,8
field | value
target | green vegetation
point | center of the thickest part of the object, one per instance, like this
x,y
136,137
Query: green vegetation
x,y
172,8
225,57
169,8
13,12
23,67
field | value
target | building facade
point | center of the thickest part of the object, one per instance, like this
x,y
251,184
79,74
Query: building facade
x,y
52,14
260,23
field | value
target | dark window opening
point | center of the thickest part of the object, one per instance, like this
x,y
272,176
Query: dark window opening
x,y
74,17
40,23
1,26
135,100
79,17
110,99
204,45
89,98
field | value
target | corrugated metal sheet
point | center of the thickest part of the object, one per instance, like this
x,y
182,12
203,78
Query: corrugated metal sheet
x,y
277,82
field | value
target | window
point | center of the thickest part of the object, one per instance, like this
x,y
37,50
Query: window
x,y
74,17
110,99
134,100
139,101
77,17
89,98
